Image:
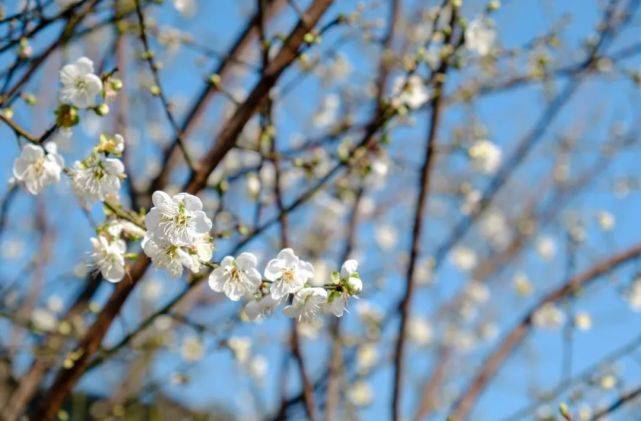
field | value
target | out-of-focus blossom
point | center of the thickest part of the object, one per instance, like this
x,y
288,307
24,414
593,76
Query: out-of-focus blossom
x,y
486,156
480,36
38,167
109,257
80,85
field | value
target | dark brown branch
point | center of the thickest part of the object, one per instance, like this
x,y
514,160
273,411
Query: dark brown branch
x,y
419,214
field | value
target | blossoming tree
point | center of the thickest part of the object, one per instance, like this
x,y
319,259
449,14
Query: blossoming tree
x,y
275,209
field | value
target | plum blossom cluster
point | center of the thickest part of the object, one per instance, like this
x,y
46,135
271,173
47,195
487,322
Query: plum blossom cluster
x,y
285,279
39,164
110,247
98,177
177,233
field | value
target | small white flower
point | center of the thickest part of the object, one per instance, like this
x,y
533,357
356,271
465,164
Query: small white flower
x,y
386,236
177,220
486,156
121,227
240,346
328,112
186,8
118,143
419,331
546,247
112,144
44,320
480,36
258,309
288,273
257,368
633,295
200,251
606,221
522,284
349,273
192,349
360,393
79,84
477,292
464,258
34,169
236,277
351,285
583,320
96,179
366,357
167,256
411,92
307,304
548,317
337,303
109,257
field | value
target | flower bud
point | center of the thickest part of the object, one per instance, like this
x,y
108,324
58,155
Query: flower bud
x,y
102,109
354,285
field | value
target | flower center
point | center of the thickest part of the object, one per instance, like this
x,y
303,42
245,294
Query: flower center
x,y
39,166
288,276
181,219
81,84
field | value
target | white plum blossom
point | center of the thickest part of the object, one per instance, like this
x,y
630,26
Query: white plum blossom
x,y
328,112
112,144
121,227
200,251
79,84
366,357
192,349
486,156
546,247
240,346
549,316
633,295
288,273
258,309
38,167
583,320
410,92
420,331
386,236
606,221
236,277
186,8
349,273
307,304
464,258
522,284
257,367
177,220
350,283
44,319
97,179
109,257
477,292
480,36
360,393
167,256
